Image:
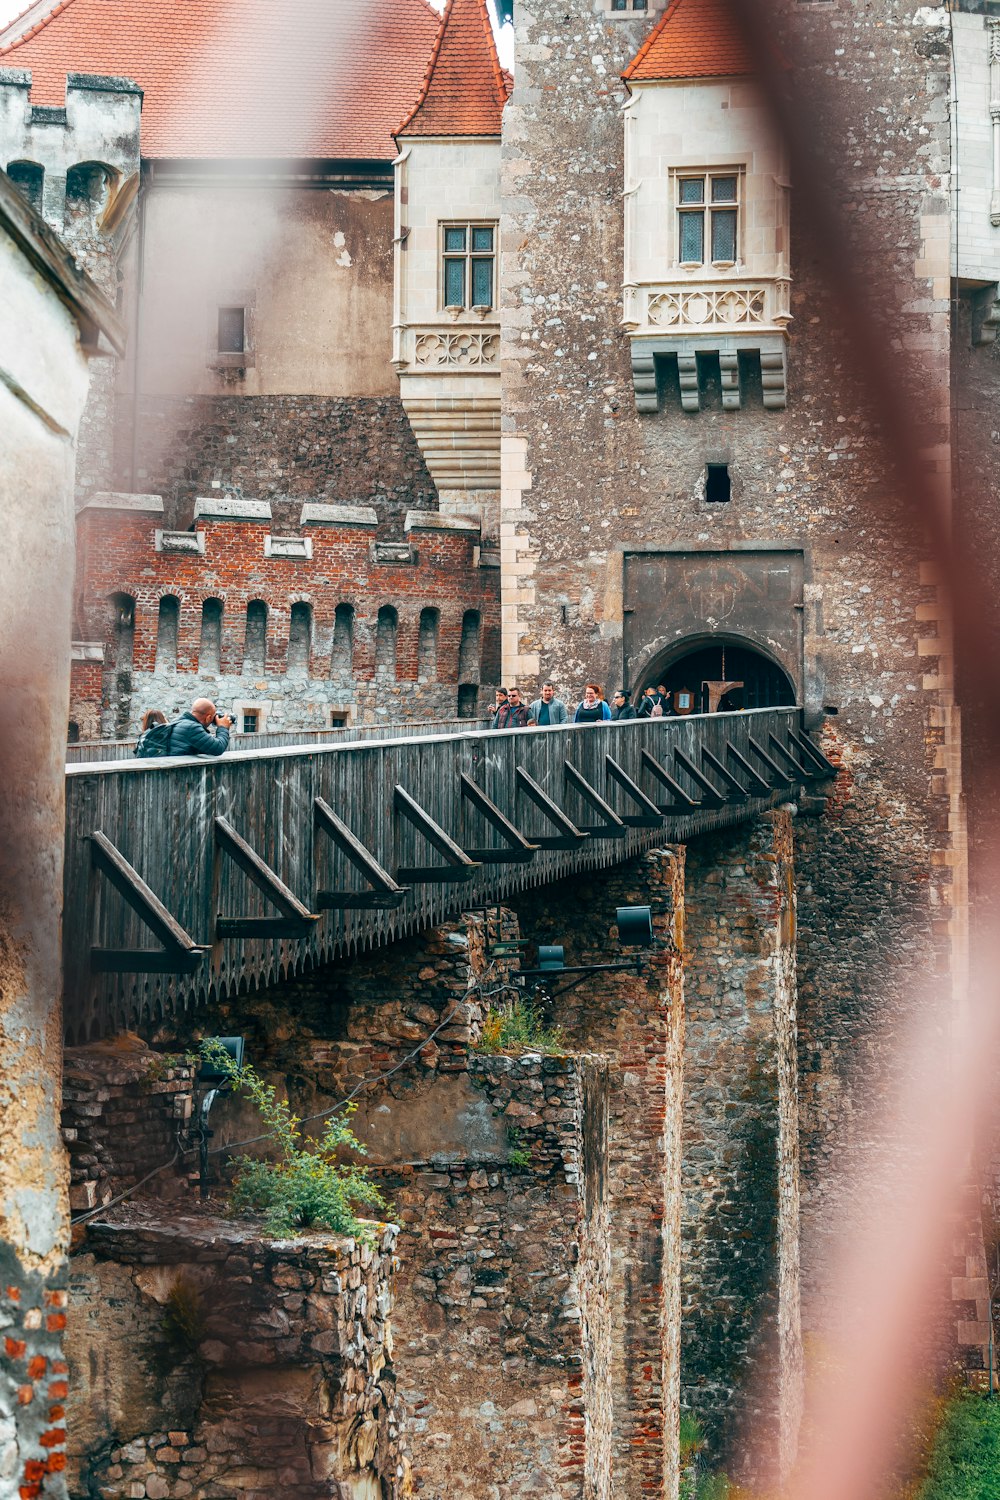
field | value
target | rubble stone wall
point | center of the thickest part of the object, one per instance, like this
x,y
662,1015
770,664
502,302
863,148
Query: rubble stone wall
x,y
208,1362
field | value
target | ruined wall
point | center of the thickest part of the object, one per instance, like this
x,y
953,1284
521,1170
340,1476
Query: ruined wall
x,y
209,1362
417,618
636,1020
587,479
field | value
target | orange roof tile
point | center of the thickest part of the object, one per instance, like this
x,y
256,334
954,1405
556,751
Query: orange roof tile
x,y
465,88
244,78
693,39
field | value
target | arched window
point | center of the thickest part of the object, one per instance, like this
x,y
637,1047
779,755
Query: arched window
x,y
210,650
255,639
723,676
121,631
73,733
87,187
385,641
299,640
427,646
469,648
342,650
29,179
166,633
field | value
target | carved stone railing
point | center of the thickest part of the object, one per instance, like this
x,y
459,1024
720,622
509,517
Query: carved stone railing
x,y
187,877
697,306
450,346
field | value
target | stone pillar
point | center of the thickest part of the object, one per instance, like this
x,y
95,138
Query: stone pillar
x,y
741,1336
635,1020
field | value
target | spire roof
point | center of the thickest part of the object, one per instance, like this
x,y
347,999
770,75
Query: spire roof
x,y
243,78
692,39
465,88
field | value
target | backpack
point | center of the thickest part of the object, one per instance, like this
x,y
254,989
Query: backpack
x,y
154,741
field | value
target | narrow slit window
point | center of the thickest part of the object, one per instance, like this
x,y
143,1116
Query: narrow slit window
x,y
718,486
232,330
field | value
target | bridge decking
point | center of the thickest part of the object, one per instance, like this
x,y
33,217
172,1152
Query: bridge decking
x,y
186,878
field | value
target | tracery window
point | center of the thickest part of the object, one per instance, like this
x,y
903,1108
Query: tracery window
x,y
468,259
708,217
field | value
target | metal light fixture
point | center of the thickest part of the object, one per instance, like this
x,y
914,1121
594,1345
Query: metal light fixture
x,y
635,926
551,957
211,1073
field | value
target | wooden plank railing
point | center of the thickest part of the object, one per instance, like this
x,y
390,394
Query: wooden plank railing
x,y
93,752
243,867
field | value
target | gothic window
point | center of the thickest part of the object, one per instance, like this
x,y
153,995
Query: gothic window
x,y
385,641
166,633
469,648
342,651
427,646
121,623
210,651
299,640
468,257
255,640
708,212
28,177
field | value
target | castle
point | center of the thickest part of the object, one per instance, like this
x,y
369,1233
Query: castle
x,y
439,377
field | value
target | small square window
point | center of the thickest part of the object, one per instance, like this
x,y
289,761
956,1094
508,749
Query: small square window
x,y
251,721
232,330
338,718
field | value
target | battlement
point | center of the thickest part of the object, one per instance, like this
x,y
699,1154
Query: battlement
x,y
73,162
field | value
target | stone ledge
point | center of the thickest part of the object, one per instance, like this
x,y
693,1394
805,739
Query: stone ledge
x,y
209,509
338,515
120,500
87,651
180,541
429,520
295,548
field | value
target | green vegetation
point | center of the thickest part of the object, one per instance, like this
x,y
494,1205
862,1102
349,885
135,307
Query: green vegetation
x,y
964,1461
303,1187
518,1154
519,1027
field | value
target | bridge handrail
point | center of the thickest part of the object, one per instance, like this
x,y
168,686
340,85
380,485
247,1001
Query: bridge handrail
x,y
244,867
91,752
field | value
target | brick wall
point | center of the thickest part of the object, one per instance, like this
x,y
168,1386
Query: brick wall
x,y
352,564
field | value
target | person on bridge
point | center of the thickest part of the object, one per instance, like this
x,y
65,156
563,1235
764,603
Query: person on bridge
x,y
548,709
592,709
621,707
500,702
513,714
190,733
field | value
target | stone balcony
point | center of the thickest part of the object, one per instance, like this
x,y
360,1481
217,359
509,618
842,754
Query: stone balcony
x,y
723,316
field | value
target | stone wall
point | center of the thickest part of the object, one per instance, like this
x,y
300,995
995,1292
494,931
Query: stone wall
x,y
345,450
589,482
208,1362
636,1020
742,1349
124,1109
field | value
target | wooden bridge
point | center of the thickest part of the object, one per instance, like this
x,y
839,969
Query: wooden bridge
x,y
188,878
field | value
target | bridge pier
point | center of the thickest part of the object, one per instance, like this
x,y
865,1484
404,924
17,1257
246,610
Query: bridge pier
x,y
741,1334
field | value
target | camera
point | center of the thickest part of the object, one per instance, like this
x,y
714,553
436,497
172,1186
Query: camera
x,y
222,713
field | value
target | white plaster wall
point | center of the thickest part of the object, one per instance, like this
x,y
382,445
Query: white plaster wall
x,y
975,241
690,125
315,266
43,385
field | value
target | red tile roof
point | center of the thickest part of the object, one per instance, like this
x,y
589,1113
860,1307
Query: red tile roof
x,y
693,39
465,88
244,78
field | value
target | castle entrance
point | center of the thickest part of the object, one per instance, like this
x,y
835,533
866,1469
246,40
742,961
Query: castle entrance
x,y
721,677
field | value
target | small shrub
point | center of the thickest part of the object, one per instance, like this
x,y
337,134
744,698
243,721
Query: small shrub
x,y
519,1027
518,1154
692,1438
304,1187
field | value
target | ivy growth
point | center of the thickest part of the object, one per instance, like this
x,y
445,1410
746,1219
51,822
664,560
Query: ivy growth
x,y
305,1186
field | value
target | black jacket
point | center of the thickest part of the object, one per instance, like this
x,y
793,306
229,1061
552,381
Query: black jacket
x,y
191,738
625,712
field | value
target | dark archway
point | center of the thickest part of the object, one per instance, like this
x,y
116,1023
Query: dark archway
x,y
701,666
